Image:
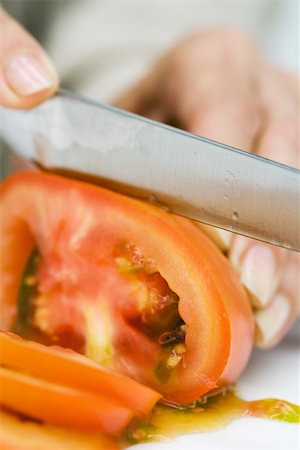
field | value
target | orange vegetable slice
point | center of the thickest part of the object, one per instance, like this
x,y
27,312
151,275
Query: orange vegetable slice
x,y
59,365
18,434
59,387
61,405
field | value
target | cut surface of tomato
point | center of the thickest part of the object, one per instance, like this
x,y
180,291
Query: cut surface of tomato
x,y
129,285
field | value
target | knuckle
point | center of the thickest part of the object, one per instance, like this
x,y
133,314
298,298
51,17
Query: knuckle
x,y
244,114
246,110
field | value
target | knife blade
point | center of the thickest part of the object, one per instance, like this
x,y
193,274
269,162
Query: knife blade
x,y
188,174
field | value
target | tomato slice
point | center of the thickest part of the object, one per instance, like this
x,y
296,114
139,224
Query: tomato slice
x,y
129,285
58,365
61,405
76,391
19,434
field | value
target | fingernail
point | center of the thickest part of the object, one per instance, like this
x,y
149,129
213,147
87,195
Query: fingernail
x,y
26,75
240,243
271,320
259,274
225,238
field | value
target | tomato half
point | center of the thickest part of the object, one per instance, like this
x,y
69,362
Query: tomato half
x,y
131,286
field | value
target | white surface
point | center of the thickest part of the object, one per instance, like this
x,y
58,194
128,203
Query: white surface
x,y
272,373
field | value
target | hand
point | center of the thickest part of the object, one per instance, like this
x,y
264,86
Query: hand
x,y
218,85
27,76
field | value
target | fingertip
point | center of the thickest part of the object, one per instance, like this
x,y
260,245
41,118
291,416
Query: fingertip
x,y
260,267
27,76
259,274
28,79
272,322
221,238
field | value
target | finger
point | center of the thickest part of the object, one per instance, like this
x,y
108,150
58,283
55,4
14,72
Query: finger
x,y
27,76
133,100
142,98
231,118
273,322
280,138
260,267
280,142
155,113
213,87
221,238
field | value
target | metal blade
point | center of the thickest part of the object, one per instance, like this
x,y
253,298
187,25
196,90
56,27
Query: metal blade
x,y
192,176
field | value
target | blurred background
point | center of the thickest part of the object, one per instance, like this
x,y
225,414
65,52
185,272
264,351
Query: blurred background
x,y
101,47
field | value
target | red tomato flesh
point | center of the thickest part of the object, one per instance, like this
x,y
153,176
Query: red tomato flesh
x,y
117,278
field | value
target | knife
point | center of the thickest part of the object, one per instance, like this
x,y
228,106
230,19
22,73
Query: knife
x,y
190,175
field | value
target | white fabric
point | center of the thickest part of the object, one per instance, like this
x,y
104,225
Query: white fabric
x,y
101,47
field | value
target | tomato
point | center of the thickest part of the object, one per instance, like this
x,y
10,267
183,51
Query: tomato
x,y
19,434
61,405
131,286
77,392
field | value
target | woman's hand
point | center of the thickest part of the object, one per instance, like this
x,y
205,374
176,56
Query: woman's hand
x,y
218,85
27,76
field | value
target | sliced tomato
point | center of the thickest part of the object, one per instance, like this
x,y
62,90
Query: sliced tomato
x,y
61,405
67,368
59,387
19,434
129,285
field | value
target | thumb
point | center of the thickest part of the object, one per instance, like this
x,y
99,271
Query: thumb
x,y
27,76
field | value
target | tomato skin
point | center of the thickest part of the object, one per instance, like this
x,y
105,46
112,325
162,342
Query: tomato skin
x,y
77,228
